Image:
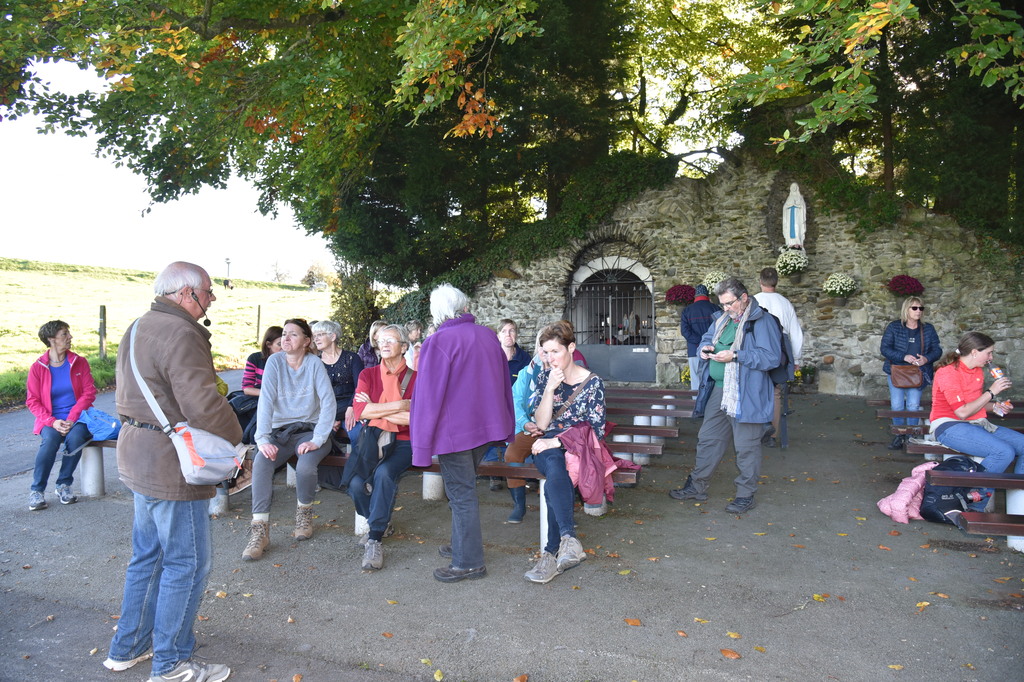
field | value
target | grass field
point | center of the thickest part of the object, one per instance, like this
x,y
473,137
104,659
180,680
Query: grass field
x,y
32,292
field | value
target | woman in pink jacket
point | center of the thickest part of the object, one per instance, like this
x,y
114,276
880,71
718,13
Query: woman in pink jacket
x,y
58,390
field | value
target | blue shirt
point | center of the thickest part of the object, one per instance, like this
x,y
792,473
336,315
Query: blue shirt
x,y
62,395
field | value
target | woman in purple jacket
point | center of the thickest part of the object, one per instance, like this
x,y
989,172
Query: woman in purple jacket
x,y
462,405
59,388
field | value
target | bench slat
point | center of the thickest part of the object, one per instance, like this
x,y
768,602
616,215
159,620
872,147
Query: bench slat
x,y
637,411
495,469
979,523
977,479
653,392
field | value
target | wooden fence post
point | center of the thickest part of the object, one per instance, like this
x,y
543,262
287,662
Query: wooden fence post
x,y
103,332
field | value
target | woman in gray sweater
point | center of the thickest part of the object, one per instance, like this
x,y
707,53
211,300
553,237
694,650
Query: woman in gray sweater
x,y
294,417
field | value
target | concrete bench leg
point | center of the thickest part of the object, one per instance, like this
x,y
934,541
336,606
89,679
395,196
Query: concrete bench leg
x,y
93,483
219,502
1015,505
290,476
362,525
433,486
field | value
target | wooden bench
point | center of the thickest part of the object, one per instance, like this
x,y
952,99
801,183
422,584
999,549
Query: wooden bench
x,y
1010,524
923,428
621,478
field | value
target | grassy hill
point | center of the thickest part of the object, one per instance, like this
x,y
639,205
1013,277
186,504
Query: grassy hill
x,y
33,292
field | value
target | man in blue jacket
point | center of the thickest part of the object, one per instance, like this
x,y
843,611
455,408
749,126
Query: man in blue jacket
x,y
693,322
736,353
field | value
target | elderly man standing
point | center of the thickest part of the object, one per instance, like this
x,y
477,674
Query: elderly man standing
x,y
171,540
736,353
462,405
779,306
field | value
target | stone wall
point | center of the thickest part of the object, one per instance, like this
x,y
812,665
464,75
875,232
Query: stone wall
x,y
732,221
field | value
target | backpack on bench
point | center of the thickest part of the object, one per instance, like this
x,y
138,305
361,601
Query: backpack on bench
x,y
939,499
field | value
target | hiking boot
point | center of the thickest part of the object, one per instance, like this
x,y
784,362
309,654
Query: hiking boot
x,y
191,671
897,442
769,432
259,540
303,523
741,505
688,492
445,551
518,505
544,571
65,495
373,557
36,501
119,666
570,553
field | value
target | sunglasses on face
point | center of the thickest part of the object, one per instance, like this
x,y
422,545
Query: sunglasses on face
x,y
917,307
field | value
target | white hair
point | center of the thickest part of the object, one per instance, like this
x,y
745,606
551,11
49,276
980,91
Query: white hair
x,y
177,276
399,331
328,327
446,303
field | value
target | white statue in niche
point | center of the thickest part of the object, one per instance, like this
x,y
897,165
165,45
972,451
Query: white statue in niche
x,y
794,218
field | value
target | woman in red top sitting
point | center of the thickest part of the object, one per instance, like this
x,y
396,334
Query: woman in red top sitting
x,y
959,402
380,399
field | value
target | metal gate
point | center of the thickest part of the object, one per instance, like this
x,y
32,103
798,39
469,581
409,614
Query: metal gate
x,y
613,313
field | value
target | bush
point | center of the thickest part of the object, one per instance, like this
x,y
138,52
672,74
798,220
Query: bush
x,y
790,261
837,284
680,293
905,285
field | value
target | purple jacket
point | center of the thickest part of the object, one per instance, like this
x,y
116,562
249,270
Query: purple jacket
x,y
463,396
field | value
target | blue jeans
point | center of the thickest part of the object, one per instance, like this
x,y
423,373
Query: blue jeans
x,y
904,399
171,558
458,470
560,495
378,505
997,450
77,437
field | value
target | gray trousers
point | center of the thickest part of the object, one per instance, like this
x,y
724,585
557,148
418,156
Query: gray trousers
x,y
713,439
305,471
458,470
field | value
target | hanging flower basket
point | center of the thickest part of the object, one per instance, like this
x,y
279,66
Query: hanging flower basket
x,y
680,294
791,261
712,279
839,285
905,285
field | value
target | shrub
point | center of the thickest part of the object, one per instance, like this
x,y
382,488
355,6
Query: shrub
x,y
905,285
838,284
680,293
790,261
712,279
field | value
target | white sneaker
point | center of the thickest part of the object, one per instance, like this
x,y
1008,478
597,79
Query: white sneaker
x,y
544,571
191,671
570,553
120,666
373,557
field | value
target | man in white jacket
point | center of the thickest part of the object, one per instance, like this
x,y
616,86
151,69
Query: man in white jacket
x,y
779,306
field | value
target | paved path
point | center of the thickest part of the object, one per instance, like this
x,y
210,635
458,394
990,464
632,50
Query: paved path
x,y
814,584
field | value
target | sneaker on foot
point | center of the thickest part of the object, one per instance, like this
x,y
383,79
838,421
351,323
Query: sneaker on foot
x,y
36,501
769,432
741,505
119,666
570,553
191,671
65,495
544,571
303,523
388,532
373,557
688,492
259,540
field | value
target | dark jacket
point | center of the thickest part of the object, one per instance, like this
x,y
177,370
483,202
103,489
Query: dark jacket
x,y
694,321
895,346
174,358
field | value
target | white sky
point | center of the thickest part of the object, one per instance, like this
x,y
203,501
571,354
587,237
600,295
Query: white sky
x,y
59,203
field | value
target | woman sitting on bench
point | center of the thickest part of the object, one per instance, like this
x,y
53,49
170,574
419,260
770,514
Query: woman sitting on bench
x,y
959,417
566,395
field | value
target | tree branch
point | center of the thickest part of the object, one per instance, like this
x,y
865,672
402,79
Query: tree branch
x,y
201,25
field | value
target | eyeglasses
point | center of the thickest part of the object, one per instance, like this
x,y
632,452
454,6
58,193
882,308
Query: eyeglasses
x,y
917,307
387,341
726,304
320,335
208,292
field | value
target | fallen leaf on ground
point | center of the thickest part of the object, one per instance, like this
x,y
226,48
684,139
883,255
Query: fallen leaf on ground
x,y
93,652
612,555
842,535
896,667
392,601
653,558
425,661
247,594
861,518
700,620
760,533
799,546
625,572
681,633
735,635
894,532
290,619
221,594
297,677
710,539
820,597
729,653
911,578
635,622
639,523
760,649
921,605
387,634
438,675
887,549
203,617
522,678
940,594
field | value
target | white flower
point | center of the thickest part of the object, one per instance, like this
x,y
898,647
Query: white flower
x,y
790,261
712,279
838,284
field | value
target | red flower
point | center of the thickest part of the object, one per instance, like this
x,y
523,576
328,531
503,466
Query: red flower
x,y
680,293
905,285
